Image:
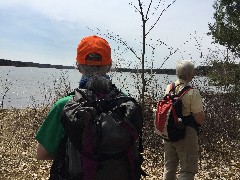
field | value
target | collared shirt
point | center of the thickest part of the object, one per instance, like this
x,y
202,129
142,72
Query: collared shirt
x,y
192,100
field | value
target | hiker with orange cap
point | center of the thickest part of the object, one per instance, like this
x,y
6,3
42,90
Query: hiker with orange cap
x,y
95,131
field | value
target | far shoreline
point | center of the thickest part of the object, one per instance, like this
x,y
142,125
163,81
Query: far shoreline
x,y
200,70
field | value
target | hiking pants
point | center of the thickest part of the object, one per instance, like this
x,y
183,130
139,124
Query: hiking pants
x,y
183,153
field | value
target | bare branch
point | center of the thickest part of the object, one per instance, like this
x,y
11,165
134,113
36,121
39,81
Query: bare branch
x,y
130,48
148,9
117,38
131,4
5,93
141,10
157,7
171,53
160,17
137,9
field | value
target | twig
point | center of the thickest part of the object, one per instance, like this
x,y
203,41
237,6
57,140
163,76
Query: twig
x,y
160,17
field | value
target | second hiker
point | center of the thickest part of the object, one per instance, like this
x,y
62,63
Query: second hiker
x,y
184,152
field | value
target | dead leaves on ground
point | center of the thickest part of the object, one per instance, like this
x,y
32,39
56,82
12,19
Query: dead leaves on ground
x,y
18,149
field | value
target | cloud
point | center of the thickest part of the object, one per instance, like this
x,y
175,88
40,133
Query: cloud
x,y
110,14
51,28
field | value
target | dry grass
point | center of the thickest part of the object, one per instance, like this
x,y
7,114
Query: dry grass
x,y
18,146
219,159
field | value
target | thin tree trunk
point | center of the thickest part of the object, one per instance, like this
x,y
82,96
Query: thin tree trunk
x,y
143,59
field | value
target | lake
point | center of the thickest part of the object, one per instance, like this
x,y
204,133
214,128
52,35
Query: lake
x,y
23,87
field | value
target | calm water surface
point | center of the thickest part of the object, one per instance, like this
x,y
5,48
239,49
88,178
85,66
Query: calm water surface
x,y
29,86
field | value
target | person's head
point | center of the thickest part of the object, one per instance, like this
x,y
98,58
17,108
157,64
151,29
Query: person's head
x,y
94,61
185,70
93,56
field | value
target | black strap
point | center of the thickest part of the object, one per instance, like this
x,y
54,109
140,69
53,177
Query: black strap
x,y
190,121
71,93
104,157
59,165
186,88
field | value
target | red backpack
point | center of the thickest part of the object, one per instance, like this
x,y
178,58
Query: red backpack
x,y
168,121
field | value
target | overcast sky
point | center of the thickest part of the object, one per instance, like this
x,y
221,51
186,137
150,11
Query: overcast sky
x,y
48,31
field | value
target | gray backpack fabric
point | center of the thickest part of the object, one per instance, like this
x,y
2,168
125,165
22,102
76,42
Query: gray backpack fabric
x,y
101,138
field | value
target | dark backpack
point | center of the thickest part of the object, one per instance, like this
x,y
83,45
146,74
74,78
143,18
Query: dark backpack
x,y
101,140
169,122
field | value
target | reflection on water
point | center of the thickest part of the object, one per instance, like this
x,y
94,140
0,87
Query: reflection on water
x,y
29,86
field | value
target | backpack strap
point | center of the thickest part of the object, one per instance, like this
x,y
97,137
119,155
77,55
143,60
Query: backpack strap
x,y
71,93
173,88
87,157
189,120
58,168
182,92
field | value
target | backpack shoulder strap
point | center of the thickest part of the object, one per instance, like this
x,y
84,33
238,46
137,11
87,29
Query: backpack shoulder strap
x,y
173,87
71,93
84,95
184,90
58,166
109,104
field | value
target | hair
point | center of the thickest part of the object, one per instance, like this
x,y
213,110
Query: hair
x,y
90,70
98,81
98,84
185,69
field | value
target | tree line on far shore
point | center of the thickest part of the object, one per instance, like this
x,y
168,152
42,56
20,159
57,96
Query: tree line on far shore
x,y
200,70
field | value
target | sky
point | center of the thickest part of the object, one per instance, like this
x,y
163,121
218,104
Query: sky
x,y
48,31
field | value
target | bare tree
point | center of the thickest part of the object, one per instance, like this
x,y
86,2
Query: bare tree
x,y
145,16
152,11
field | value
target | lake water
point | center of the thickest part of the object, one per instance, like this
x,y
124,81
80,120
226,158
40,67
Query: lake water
x,y
29,86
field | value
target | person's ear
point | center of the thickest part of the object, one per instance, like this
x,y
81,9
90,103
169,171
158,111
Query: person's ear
x,y
77,67
190,76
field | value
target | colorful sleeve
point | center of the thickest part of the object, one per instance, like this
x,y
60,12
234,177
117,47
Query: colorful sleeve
x,y
51,131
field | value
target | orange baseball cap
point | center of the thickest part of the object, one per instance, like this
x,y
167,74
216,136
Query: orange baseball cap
x,y
94,50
